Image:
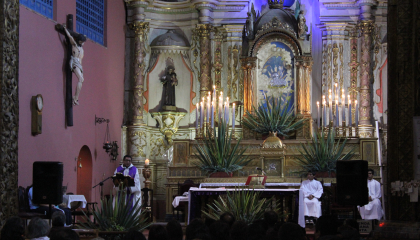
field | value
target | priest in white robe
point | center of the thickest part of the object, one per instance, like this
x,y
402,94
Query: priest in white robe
x,y
372,210
312,191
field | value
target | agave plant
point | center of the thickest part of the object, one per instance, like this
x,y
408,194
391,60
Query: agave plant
x,y
245,205
118,215
323,152
216,154
273,115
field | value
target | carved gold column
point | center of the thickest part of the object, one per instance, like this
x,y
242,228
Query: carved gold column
x,y
248,67
141,30
365,126
299,85
218,65
354,68
303,85
203,31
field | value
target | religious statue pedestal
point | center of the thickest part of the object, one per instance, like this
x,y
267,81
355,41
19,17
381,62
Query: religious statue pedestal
x,y
168,122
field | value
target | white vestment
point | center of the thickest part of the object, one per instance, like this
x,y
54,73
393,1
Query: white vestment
x,y
372,210
136,189
312,208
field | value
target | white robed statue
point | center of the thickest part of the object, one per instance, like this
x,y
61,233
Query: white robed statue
x,y
372,210
312,191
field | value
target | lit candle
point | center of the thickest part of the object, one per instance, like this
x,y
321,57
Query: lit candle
x,y
336,90
196,115
201,114
226,109
208,108
324,114
336,113
343,107
233,117
220,105
214,93
356,116
330,106
212,115
227,113
349,112
146,162
317,115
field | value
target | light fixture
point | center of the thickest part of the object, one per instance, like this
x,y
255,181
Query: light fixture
x,y
110,148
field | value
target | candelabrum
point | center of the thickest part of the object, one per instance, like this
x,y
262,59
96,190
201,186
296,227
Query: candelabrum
x,y
146,174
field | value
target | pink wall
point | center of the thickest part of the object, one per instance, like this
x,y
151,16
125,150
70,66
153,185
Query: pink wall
x,y
41,64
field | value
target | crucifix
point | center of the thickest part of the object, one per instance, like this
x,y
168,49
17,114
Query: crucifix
x,y
74,58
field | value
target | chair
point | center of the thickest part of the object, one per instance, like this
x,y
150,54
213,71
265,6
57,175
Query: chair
x,y
335,207
182,188
24,211
76,211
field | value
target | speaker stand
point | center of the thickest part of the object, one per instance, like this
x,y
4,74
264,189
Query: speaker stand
x,y
101,184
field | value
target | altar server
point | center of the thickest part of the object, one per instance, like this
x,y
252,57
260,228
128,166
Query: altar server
x,y
372,210
312,191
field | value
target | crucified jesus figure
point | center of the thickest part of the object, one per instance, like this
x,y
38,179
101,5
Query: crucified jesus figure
x,y
77,54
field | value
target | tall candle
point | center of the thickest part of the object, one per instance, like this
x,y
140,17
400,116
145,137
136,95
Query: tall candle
x,y
233,117
214,93
337,116
196,115
343,107
220,105
324,114
212,115
356,116
208,108
336,90
330,106
201,114
317,115
227,113
349,112
147,162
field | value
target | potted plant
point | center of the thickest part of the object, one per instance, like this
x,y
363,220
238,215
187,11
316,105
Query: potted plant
x,y
217,155
245,205
322,153
273,115
116,216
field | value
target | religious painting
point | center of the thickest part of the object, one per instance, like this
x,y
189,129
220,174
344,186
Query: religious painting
x,y
273,167
275,72
181,152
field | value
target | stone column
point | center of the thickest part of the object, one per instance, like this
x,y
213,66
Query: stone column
x,y
303,90
365,125
9,111
203,31
141,30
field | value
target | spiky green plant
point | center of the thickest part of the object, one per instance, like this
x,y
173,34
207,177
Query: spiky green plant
x,y
323,152
118,215
245,205
216,154
273,116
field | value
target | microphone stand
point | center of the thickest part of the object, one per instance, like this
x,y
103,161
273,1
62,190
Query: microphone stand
x,y
102,184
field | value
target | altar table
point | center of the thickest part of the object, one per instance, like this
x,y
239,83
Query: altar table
x,y
194,193
203,185
79,199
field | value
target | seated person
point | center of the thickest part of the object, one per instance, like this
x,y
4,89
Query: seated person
x,y
44,208
312,191
372,210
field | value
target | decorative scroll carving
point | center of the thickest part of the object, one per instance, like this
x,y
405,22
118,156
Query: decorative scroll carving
x,y
194,51
203,31
235,53
241,80
354,66
141,30
329,77
324,69
341,54
229,73
248,66
218,65
335,63
138,143
275,23
10,109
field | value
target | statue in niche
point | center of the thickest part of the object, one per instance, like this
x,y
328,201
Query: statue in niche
x,y
250,22
169,82
302,25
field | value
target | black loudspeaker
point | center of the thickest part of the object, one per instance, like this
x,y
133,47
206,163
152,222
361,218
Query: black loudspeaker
x,y
352,186
47,182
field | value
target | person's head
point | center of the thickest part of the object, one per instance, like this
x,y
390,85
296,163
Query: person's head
x,y
171,69
291,231
195,228
134,235
64,234
348,232
326,225
80,39
370,173
127,160
37,228
228,218
256,230
174,230
219,230
310,175
157,232
271,217
238,230
58,219
13,229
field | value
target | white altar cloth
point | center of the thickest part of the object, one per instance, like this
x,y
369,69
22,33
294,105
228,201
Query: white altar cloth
x,y
68,199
